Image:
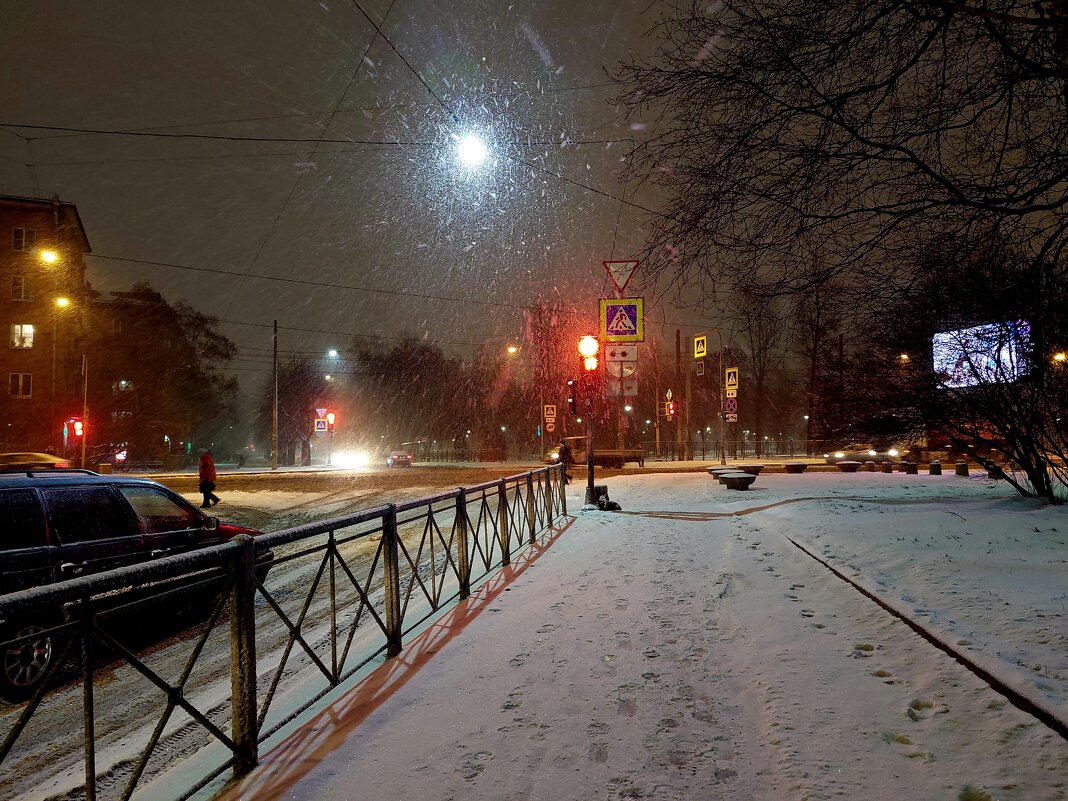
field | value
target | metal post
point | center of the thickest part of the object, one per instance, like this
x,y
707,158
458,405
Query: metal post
x,y
532,527
243,654
502,523
52,417
561,481
463,556
85,405
548,496
678,383
391,571
89,715
591,497
332,550
686,405
719,383
274,405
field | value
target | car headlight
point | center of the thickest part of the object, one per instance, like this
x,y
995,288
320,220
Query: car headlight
x,y
872,453
893,452
554,456
839,455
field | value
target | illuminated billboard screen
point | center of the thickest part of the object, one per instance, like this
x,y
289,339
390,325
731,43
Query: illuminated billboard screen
x,y
992,353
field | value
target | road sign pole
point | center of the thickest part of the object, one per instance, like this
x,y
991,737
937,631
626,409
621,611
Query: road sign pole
x,y
722,444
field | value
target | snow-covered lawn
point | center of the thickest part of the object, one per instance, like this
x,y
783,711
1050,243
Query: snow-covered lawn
x,y
687,648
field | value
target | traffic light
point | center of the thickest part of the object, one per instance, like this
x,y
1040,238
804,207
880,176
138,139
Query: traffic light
x,y
76,426
572,395
330,417
588,347
670,409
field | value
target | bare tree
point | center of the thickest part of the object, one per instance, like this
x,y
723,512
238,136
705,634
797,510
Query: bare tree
x,y
857,129
863,132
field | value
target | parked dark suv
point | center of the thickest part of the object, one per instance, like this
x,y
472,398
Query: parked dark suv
x,y
59,524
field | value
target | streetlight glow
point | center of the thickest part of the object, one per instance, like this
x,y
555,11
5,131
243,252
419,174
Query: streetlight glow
x,y
332,353
512,350
1060,357
62,302
49,256
471,151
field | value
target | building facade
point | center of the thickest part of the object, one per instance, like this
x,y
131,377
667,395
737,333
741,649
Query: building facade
x,y
44,313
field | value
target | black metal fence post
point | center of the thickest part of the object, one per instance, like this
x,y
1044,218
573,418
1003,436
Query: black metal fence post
x,y
391,571
243,654
332,550
561,483
463,557
502,523
88,712
532,526
547,488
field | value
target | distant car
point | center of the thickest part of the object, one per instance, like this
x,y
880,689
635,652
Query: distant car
x,y
31,461
399,459
864,453
62,524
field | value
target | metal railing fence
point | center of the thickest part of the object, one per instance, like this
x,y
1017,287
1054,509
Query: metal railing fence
x,y
266,645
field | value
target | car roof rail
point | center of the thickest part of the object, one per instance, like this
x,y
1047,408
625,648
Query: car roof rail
x,y
51,471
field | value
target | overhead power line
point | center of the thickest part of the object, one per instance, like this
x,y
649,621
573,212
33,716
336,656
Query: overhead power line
x,y
306,282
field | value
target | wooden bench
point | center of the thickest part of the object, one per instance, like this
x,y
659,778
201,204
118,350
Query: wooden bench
x,y
737,481
795,467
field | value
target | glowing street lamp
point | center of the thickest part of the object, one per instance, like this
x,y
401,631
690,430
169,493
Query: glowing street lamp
x,y
332,353
471,151
49,256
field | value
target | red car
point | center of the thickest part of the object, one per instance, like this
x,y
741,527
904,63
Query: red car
x,y
399,459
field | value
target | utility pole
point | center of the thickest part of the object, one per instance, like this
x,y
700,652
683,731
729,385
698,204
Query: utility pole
x,y
274,406
678,383
85,405
719,383
686,404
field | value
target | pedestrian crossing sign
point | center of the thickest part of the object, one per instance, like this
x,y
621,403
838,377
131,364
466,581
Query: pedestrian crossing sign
x,y
622,320
730,378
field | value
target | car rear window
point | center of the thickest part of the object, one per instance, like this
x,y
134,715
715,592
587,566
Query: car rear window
x,y
23,525
82,514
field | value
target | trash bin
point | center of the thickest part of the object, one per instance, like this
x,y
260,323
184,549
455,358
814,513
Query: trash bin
x,y
104,468
962,469
936,468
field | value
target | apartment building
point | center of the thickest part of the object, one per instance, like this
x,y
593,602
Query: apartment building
x,y
44,312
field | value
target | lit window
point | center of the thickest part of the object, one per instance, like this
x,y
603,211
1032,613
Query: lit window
x,y
21,335
18,288
23,238
19,385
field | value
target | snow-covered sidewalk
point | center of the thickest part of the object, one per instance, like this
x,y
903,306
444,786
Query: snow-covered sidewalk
x,y
686,648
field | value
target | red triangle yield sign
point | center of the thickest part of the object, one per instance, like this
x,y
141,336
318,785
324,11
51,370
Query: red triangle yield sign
x,y
621,271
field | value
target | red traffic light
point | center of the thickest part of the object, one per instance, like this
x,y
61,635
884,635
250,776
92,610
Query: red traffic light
x,y
76,426
671,409
330,417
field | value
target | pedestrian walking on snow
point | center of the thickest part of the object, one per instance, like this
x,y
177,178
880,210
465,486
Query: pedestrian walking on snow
x,y
566,460
207,480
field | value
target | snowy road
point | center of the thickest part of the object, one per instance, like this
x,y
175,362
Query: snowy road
x,y
686,649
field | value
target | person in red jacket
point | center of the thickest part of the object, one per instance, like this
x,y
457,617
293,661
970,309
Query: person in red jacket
x,y
207,480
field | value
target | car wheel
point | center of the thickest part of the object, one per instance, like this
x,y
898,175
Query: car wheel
x,y
24,664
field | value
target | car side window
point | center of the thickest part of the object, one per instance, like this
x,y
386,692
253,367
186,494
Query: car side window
x,y
23,525
158,512
83,514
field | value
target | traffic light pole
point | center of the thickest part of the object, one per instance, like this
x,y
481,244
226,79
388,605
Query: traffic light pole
x,y
591,497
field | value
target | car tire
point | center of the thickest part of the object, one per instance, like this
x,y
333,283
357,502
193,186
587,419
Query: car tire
x,y
23,666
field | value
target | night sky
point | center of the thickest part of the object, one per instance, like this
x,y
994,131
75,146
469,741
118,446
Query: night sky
x,y
371,194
